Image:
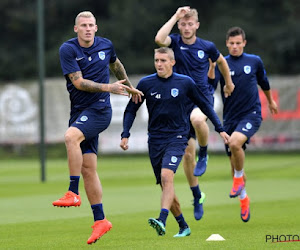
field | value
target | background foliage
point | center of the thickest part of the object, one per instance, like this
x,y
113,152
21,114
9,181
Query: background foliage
x,y
272,28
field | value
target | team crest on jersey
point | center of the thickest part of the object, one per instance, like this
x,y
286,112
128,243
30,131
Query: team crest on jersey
x,y
247,69
200,54
174,92
101,55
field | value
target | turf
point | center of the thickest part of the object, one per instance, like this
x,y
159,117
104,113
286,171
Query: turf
x,y
29,221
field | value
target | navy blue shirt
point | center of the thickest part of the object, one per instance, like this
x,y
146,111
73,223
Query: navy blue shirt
x,y
166,101
247,71
192,60
93,62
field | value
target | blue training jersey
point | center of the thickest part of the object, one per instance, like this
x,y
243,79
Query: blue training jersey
x,y
167,104
192,60
93,62
247,71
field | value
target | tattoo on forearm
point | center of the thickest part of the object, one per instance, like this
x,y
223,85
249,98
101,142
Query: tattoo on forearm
x,y
87,85
119,71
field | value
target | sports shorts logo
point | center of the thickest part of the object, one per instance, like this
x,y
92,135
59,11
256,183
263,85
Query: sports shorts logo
x,y
247,69
248,125
200,54
174,159
174,92
101,55
84,118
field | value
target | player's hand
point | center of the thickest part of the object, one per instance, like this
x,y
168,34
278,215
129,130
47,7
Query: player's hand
x,y
225,137
124,143
119,88
228,89
181,11
136,94
273,107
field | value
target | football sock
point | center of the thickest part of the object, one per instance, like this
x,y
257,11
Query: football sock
x,y
98,211
181,221
196,192
203,151
243,193
163,215
238,174
74,182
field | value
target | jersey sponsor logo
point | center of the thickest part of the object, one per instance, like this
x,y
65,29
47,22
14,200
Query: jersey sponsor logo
x,y
174,92
153,93
90,58
183,48
84,118
79,58
247,69
158,96
232,73
174,159
101,55
200,54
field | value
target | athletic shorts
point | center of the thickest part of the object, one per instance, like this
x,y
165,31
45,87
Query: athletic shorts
x,y
166,155
91,122
248,126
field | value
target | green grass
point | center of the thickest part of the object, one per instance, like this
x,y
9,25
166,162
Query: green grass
x,y
29,221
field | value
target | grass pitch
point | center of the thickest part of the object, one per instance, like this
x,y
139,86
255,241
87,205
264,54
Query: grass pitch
x,y
29,221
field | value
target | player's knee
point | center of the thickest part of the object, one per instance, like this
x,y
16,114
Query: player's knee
x,y
72,137
234,145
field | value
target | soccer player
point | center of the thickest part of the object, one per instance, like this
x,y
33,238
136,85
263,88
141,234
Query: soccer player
x,y
192,54
166,95
85,61
242,110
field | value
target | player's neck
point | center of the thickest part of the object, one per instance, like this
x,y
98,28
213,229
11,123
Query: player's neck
x,y
189,41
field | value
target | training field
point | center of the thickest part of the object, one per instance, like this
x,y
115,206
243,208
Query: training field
x,y
29,221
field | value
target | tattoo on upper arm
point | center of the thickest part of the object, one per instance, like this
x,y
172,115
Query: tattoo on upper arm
x,y
75,76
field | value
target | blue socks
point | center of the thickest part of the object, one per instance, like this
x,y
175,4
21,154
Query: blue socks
x,y
196,192
181,221
163,215
98,211
203,151
74,183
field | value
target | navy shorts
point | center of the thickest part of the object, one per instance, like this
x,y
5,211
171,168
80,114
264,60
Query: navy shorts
x,y
248,126
91,122
166,155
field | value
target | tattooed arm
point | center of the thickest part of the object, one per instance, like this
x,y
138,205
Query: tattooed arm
x,y
90,86
119,71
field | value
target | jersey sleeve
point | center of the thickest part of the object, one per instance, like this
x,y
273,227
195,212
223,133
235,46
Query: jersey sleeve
x,y
261,75
197,96
130,114
214,53
113,57
68,59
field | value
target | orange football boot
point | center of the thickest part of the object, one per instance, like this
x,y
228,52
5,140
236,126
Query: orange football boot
x,y
237,186
100,228
245,209
70,199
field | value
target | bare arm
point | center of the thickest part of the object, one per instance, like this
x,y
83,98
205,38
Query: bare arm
x,y
272,104
119,71
90,86
162,37
224,69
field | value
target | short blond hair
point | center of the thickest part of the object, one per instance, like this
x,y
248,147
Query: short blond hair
x,y
192,13
166,50
86,14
